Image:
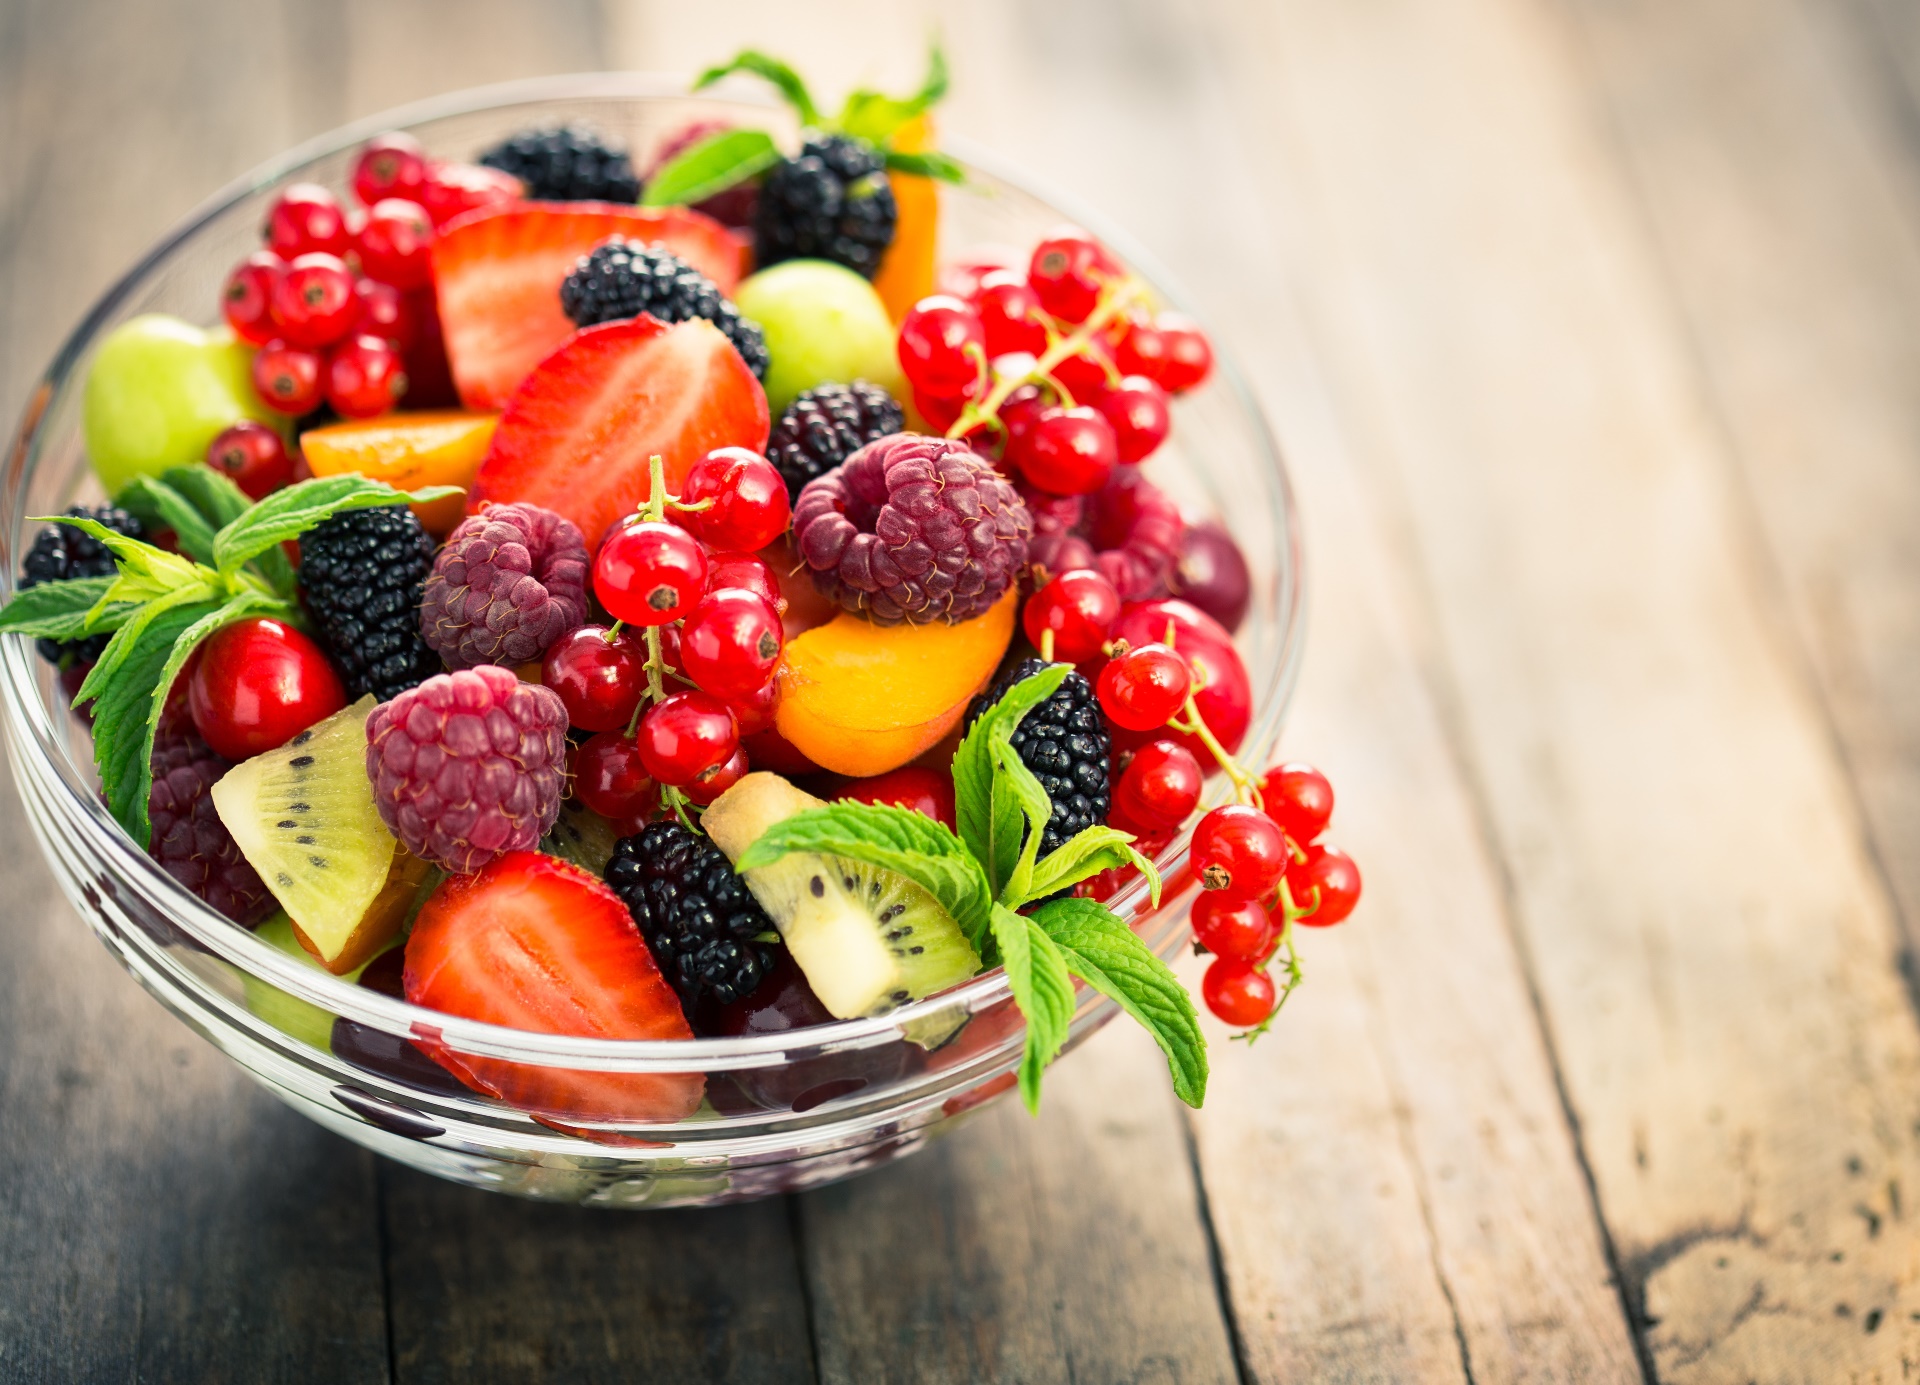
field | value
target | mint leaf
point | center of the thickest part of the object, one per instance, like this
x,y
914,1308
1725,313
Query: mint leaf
x,y
943,167
1085,854
876,118
893,839
289,513
112,667
218,500
1042,989
990,818
1102,951
61,610
775,71
145,571
711,165
160,506
1013,780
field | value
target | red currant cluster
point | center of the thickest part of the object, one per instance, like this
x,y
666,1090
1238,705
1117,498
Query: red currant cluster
x,y
706,612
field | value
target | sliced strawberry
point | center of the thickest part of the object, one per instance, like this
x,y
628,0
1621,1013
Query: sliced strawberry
x,y
499,270
534,943
577,434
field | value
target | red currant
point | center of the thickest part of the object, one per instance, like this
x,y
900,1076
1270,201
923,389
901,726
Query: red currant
x,y
387,313
1189,353
1079,608
1225,692
753,713
940,414
258,684
1137,410
750,508
1141,349
1011,318
1332,872
1239,851
313,303
600,680
709,784
1143,688
287,377
1087,373
927,791
942,346
365,377
747,572
961,278
1160,786
1021,411
610,778
253,456
731,644
247,299
390,165
1299,798
649,572
1238,994
303,220
1235,928
1067,451
453,189
396,244
686,733
1068,270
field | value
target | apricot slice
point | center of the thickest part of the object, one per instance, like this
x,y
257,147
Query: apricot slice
x,y
443,447
861,699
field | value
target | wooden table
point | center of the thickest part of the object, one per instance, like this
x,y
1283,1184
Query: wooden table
x,y
1592,331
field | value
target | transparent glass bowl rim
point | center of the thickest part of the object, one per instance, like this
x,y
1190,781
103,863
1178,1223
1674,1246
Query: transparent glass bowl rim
x,y
240,948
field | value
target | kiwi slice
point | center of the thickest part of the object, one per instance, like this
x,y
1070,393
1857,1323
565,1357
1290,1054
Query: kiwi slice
x,y
304,817
290,1014
581,836
868,940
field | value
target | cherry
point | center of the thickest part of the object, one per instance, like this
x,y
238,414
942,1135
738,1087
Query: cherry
x,y
1141,349
1068,270
365,377
258,684
1143,688
1235,928
709,784
387,313
1300,799
1067,451
287,377
1079,608
1138,411
686,733
731,643
1239,994
610,777
1011,317
1159,787
313,303
649,572
453,189
1239,851
253,456
247,299
747,572
942,346
599,676
1331,871
753,713
304,219
927,791
396,244
1211,573
390,165
1189,353
750,507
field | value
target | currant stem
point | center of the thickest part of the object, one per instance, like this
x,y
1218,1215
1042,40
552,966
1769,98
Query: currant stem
x,y
1122,294
656,506
1246,787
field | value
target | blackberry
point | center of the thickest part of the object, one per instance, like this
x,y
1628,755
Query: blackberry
x,y
60,553
825,426
833,202
625,278
1064,742
695,913
362,572
568,164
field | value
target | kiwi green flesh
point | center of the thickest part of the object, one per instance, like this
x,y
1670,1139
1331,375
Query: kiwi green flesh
x,y
290,1014
582,837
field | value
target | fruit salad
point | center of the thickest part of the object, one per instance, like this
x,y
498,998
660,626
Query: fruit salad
x,y
678,598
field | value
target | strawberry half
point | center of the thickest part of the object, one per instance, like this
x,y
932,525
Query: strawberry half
x,y
534,943
498,272
577,434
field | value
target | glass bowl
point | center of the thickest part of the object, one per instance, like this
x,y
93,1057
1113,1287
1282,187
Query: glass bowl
x,y
783,1112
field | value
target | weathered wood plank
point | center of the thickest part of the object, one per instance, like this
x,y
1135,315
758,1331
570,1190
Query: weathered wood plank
x,y
1732,1031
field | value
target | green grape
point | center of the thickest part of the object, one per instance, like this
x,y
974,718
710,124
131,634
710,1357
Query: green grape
x,y
824,324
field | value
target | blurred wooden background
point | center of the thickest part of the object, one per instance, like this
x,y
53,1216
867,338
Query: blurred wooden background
x,y
1592,331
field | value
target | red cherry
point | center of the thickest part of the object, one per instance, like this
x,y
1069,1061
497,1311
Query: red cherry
x,y
390,165
927,791
731,644
1066,451
1011,317
684,734
709,784
387,313
649,572
1235,928
260,683
305,219
1238,994
1160,786
247,299
610,778
1189,353
1239,851
600,680
313,303
942,346
1332,872
1138,411
1141,349
365,377
253,456
1299,798
1079,608
396,244
452,189
287,377
750,508
747,572
1144,687
1068,270
753,713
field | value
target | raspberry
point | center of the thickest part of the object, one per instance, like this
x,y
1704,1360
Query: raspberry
x,y
189,840
833,202
912,528
625,278
362,573
1064,741
59,553
509,582
570,164
695,913
826,425
468,766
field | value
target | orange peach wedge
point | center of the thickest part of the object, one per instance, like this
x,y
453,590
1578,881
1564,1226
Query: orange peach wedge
x,y
442,447
861,699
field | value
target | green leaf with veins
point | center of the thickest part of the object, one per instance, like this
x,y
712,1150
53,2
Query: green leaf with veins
x,y
990,815
1042,988
930,164
1013,779
780,74
219,501
1084,855
876,117
62,610
160,506
712,165
145,571
289,513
